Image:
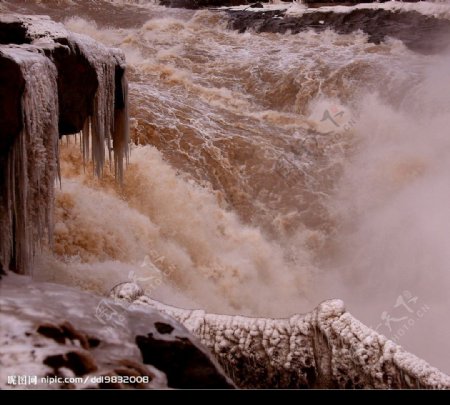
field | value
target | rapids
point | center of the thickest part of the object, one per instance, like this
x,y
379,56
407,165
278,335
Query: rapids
x,y
268,172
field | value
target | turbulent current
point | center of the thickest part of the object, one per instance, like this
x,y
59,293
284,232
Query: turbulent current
x,y
268,172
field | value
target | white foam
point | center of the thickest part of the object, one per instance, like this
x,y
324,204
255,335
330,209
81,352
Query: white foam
x,y
435,9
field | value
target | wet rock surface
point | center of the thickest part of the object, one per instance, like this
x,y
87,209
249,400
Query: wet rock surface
x,y
196,4
53,83
420,33
77,76
53,332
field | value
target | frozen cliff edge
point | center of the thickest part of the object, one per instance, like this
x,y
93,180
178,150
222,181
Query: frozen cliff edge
x,y
326,348
197,4
51,331
52,83
420,32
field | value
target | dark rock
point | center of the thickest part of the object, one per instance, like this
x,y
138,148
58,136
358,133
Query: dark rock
x,y
163,328
120,98
80,363
68,317
74,73
13,32
12,84
66,331
196,4
93,342
57,361
185,365
52,332
420,33
256,5
74,335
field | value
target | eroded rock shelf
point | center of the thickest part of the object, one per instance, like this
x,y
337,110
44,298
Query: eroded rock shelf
x,y
53,83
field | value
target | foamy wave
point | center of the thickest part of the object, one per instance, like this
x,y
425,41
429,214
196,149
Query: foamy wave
x,y
182,231
435,9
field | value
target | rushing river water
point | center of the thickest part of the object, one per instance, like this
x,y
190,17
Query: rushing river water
x,y
269,172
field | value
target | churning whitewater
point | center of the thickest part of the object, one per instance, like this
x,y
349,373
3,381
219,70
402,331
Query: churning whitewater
x,y
268,172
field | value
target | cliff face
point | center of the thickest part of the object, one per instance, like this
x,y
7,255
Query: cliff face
x,y
53,83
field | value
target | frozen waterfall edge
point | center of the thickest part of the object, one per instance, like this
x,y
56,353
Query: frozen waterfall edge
x,y
56,83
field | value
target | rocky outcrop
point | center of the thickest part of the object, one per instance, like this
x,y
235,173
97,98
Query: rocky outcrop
x,y
319,3
53,83
420,33
12,84
196,4
57,337
326,348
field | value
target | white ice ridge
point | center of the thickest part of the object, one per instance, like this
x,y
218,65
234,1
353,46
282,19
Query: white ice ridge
x,y
326,348
32,162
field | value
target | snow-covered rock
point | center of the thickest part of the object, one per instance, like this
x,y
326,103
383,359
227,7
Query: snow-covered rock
x,y
52,336
326,348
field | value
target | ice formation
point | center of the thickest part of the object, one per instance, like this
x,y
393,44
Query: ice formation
x,y
30,165
107,124
326,348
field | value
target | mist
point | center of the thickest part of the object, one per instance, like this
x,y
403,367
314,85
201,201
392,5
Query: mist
x,y
393,241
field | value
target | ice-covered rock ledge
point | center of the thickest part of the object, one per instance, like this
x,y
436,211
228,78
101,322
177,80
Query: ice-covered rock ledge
x,y
326,348
197,4
418,30
51,332
52,83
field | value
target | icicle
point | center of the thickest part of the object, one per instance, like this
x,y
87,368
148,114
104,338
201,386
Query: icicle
x,y
31,165
107,127
85,140
121,135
